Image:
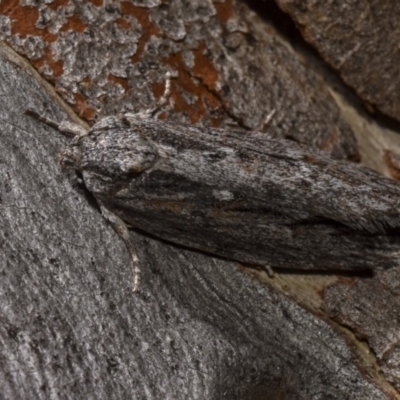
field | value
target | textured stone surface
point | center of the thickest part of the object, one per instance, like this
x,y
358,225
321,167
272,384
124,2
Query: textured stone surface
x,y
360,39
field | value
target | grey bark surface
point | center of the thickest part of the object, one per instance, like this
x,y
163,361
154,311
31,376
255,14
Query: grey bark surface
x,y
360,40
371,308
201,328
71,327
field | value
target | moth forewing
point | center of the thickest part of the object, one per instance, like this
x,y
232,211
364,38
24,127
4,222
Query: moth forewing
x,y
245,196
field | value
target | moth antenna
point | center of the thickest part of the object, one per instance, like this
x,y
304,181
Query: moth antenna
x,y
67,128
167,92
164,98
150,112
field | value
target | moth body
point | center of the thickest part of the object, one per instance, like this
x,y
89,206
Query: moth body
x,y
240,195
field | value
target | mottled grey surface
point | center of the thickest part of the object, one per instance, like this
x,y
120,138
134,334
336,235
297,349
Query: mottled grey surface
x,y
241,195
371,307
360,39
71,327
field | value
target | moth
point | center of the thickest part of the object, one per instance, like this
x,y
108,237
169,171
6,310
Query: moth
x,y
236,194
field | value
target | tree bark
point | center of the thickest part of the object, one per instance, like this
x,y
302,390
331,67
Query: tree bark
x,y
201,327
367,58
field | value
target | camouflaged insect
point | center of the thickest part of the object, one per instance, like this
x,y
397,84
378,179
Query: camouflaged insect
x,y
240,195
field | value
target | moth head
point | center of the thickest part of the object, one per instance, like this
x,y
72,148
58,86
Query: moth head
x,y
110,157
70,157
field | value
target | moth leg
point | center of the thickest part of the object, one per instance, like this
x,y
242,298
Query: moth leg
x,y
67,128
120,227
267,121
269,270
150,112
